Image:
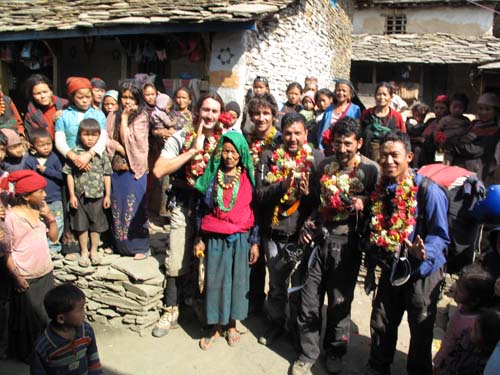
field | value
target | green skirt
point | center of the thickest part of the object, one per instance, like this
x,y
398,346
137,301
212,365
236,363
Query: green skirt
x,y
228,278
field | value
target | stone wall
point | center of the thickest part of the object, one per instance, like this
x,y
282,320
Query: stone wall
x,y
308,38
121,292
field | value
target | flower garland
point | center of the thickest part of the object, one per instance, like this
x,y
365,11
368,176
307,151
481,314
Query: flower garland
x,y
198,163
257,146
337,190
235,185
327,142
283,164
390,233
2,104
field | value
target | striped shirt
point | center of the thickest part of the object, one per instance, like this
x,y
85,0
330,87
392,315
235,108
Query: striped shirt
x,y
55,355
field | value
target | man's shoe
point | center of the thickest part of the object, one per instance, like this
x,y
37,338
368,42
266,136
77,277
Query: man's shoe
x,y
271,335
167,321
301,368
334,364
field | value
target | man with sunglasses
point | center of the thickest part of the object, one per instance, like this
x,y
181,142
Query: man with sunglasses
x,y
344,183
418,233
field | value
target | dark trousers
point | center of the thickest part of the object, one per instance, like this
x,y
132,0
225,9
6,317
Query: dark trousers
x,y
279,281
258,282
418,297
334,271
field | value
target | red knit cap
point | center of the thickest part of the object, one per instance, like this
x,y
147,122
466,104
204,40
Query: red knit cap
x,y
27,181
442,99
77,83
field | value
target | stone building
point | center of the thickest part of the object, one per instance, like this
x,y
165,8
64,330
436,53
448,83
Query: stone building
x,y
429,47
221,45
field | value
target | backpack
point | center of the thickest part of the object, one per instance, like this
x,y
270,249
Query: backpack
x,y
463,189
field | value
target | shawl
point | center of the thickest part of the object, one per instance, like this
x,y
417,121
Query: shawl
x,y
34,117
135,142
238,140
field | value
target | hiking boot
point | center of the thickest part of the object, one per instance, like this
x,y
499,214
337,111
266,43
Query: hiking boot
x,y
167,321
301,368
334,364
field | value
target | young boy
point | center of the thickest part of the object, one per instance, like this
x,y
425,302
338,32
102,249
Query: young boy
x,y
89,193
15,158
48,165
68,344
98,90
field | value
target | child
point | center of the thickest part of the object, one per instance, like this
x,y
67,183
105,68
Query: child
x,y
234,110
163,123
68,344
415,127
98,90
308,104
47,163
311,84
454,126
28,261
323,99
474,289
15,159
110,102
89,193
294,97
260,86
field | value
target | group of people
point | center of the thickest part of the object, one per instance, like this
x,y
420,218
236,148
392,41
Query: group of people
x,y
303,190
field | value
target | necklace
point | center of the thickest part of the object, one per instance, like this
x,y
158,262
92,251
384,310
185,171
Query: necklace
x,y
234,184
283,164
337,190
196,166
257,146
391,233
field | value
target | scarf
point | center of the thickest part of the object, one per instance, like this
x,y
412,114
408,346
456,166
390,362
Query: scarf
x,y
34,116
241,145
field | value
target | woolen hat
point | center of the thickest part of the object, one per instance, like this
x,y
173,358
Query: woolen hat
x,y
76,83
233,106
490,99
309,94
112,94
98,83
26,181
442,99
12,137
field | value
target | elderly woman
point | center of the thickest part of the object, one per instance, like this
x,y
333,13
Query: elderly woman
x,y
226,227
44,108
342,106
128,130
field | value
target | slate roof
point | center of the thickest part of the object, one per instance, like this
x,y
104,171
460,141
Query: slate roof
x,y
438,48
38,15
414,3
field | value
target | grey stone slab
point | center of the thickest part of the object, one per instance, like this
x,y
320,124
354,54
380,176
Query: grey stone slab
x,y
138,270
110,313
142,289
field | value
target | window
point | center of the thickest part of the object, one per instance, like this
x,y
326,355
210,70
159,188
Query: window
x,y
395,24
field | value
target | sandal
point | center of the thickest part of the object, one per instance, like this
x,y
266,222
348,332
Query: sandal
x,y
233,338
207,342
95,260
84,262
71,257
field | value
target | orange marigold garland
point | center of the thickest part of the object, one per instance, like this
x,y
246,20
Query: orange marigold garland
x,y
257,146
283,164
199,162
387,232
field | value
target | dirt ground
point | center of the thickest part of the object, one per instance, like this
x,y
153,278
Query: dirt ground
x,y
123,352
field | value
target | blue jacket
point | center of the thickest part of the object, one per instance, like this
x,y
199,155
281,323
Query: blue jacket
x,y
353,111
68,122
53,175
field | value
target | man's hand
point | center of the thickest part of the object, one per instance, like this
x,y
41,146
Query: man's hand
x,y
417,248
305,236
254,254
199,142
357,204
304,184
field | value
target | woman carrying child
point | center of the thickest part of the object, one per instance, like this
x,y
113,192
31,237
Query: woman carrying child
x,y
28,261
128,131
231,245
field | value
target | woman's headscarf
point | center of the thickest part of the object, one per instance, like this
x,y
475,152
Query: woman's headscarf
x,y
112,94
241,145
